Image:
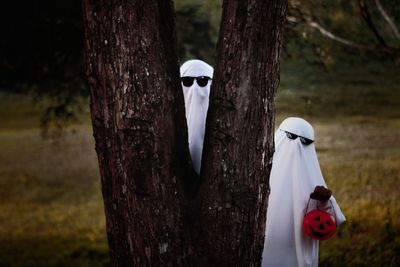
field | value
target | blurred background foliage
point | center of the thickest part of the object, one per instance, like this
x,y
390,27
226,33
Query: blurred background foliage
x,y
340,71
42,45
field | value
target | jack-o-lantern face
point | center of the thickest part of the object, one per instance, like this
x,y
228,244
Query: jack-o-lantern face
x,y
319,224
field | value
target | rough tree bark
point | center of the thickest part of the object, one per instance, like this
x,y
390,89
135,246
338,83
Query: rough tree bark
x,y
139,128
239,140
153,216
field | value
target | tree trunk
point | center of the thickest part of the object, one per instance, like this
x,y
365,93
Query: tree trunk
x,y
139,128
153,216
239,137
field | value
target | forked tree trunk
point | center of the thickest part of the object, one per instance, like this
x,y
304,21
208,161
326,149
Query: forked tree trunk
x,y
239,139
153,217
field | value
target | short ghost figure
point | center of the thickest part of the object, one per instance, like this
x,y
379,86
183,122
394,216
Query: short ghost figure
x,y
294,175
196,78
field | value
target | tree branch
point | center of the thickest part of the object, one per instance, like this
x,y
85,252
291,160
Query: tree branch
x,y
388,19
367,18
307,19
315,25
336,38
382,48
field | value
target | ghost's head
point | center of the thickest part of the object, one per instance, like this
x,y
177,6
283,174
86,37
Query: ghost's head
x,y
297,127
295,157
294,131
196,75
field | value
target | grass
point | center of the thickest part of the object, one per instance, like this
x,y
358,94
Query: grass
x,y
361,163
51,211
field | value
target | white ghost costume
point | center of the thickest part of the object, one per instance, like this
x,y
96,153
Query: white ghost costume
x,y
294,175
196,107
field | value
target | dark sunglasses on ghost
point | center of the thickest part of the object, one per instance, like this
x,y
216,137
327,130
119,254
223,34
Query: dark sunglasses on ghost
x,y
303,140
201,80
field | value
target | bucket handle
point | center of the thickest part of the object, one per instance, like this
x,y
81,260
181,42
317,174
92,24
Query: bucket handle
x,y
333,208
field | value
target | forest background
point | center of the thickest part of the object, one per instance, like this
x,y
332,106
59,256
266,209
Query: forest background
x,y
336,72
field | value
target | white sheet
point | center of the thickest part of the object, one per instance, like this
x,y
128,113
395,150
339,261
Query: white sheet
x,y
196,106
294,175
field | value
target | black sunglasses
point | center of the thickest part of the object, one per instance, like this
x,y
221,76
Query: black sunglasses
x,y
303,140
201,80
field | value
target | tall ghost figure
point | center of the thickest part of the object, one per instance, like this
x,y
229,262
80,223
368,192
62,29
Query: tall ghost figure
x,y
294,175
196,78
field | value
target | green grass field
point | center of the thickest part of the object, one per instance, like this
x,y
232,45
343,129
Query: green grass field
x,y
51,211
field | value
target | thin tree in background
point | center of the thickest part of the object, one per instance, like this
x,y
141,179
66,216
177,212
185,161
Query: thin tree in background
x,y
154,214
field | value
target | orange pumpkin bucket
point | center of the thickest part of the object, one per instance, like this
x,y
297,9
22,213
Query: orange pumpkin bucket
x,y
319,224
